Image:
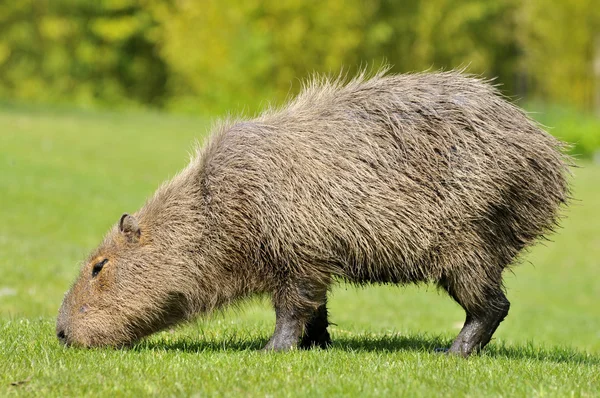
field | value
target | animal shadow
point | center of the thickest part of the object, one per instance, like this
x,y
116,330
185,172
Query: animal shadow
x,y
379,343
438,344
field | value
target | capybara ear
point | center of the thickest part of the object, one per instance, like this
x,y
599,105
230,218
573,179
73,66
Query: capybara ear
x,y
129,226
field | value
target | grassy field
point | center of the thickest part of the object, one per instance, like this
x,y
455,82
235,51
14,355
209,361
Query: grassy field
x,y
66,176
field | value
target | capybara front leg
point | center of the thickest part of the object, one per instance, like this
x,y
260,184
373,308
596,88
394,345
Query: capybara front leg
x,y
288,329
480,326
315,333
299,307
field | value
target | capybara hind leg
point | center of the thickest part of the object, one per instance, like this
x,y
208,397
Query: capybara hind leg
x,y
480,325
484,312
315,333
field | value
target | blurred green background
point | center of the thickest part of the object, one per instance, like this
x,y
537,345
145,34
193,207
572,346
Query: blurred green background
x,y
85,86
209,57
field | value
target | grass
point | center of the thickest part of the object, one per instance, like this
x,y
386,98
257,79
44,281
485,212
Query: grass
x,y
581,129
66,176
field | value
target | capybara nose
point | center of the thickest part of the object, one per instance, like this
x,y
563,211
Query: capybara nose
x,y
62,337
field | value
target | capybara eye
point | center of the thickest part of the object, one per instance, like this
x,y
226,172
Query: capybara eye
x,y
98,267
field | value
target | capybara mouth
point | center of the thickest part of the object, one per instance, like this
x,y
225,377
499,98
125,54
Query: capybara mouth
x,y
62,338
66,341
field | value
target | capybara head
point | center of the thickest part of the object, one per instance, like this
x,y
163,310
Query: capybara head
x,y
124,291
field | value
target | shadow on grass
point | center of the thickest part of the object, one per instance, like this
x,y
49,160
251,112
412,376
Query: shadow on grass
x,y
430,344
186,345
382,343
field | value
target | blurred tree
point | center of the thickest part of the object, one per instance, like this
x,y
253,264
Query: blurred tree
x,y
253,50
52,50
208,56
559,45
434,34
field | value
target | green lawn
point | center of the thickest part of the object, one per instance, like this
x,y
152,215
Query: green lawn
x,y
66,176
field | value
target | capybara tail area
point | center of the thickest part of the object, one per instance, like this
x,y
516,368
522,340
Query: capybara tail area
x,y
473,277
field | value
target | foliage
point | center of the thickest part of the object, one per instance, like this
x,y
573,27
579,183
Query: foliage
x,y
581,130
561,50
59,193
84,51
209,56
475,34
253,50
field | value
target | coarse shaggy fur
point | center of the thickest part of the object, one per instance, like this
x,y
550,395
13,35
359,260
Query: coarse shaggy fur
x,y
427,177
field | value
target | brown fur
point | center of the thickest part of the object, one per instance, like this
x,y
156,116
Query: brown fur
x,y
429,177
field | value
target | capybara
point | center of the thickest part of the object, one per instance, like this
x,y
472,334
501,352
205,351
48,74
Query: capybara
x,y
426,177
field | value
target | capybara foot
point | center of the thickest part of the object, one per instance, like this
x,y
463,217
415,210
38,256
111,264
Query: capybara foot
x,y
478,329
315,333
322,341
288,329
280,343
